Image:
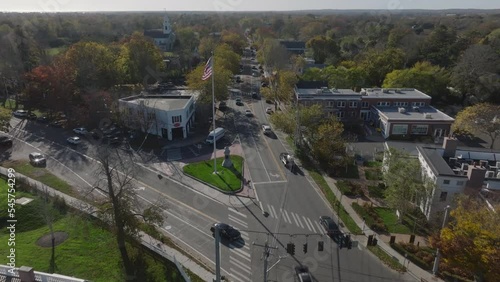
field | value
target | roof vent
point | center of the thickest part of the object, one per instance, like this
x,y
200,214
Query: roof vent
x,y
483,163
416,108
398,91
490,174
402,110
385,90
427,115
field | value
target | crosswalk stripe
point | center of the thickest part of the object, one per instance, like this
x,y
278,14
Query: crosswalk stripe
x,y
236,249
320,228
295,219
238,276
242,255
274,211
283,215
238,213
270,211
312,226
305,220
300,222
237,220
244,267
286,214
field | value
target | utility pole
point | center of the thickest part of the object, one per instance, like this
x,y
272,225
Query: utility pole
x,y
435,269
267,252
217,254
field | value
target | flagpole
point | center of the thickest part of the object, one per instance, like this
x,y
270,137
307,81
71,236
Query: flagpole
x,y
213,113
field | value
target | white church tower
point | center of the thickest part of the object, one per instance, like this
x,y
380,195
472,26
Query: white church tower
x,y
167,29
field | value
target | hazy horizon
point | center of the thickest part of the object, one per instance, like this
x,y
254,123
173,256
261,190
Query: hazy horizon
x,y
237,5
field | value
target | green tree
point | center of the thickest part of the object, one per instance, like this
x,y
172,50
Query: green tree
x,y
471,241
139,60
480,119
378,64
475,76
206,47
235,40
282,84
432,80
403,180
327,143
323,48
227,58
440,47
222,77
273,54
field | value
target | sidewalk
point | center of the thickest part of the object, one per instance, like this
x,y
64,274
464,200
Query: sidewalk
x,y
147,241
412,269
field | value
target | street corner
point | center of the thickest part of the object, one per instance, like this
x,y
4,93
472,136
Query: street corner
x,y
163,168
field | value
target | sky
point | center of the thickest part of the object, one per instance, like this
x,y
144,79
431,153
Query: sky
x,y
235,5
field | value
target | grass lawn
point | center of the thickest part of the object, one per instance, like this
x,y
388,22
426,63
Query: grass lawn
x,y
89,252
227,179
42,175
373,164
387,259
391,221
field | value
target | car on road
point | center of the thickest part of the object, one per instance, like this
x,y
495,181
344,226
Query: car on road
x,y
248,113
58,123
20,114
80,130
254,67
5,141
239,102
43,119
37,159
32,116
267,129
226,231
287,160
269,110
329,225
303,274
255,96
75,140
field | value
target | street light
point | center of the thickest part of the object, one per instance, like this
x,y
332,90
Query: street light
x,y
435,269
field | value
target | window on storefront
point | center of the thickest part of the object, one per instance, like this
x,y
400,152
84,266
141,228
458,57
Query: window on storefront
x,y
399,129
176,119
419,129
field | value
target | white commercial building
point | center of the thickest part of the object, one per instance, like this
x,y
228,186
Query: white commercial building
x,y
170,116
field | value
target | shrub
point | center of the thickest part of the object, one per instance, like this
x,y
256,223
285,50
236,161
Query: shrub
x,y
371,217
403,249
350,189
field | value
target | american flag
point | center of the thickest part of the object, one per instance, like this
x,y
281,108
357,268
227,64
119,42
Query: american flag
x,y
207,72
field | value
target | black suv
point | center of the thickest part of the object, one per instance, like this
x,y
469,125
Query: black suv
x,y
330,227
226,231
5,141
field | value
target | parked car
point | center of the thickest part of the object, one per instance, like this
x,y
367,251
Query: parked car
x,y
37,159
32,116
20,114
255,96
75,140
329,225
43,119
239,102
248,113
254,67
303,274
5,141
58,123
80,131
226,231
269,110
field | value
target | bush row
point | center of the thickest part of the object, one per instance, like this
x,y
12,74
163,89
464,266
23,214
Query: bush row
x,y
350,189
372,219
412,256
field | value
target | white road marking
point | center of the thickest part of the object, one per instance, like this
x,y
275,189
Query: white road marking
x,y
300,222
260,157
241,254
269,182
269,210
238,221
305,220
237,212
238,276
244,235
243,267
320,228
274,212
295,219
312,225
285,216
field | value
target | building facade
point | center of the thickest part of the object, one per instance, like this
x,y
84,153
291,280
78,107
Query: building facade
x,y
163,38
455,171
167,116
405,111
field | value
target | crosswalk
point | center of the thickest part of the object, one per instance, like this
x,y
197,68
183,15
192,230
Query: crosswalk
x,y
294,218
239,255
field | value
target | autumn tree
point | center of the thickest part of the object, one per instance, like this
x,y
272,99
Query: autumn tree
x,y
327,143
207,46
138,60
94,65
122,208
324,49
227,58
475,75
273,54
432,80
281,88
235,40
480,119
403,179
471,240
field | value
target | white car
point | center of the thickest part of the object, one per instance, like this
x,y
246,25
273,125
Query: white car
x,y
20,113
80,130
248,113
267,129
74,140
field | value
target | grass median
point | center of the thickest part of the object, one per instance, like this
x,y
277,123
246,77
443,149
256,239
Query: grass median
x,y
226,179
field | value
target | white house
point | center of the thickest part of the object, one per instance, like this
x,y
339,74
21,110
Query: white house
x,y
456,171
163,38
169,116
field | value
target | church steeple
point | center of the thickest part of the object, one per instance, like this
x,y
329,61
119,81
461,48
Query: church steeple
x,y
167,29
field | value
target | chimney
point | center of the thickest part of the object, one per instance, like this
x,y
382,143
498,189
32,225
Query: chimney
x,y
476,176
26,274
449,146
